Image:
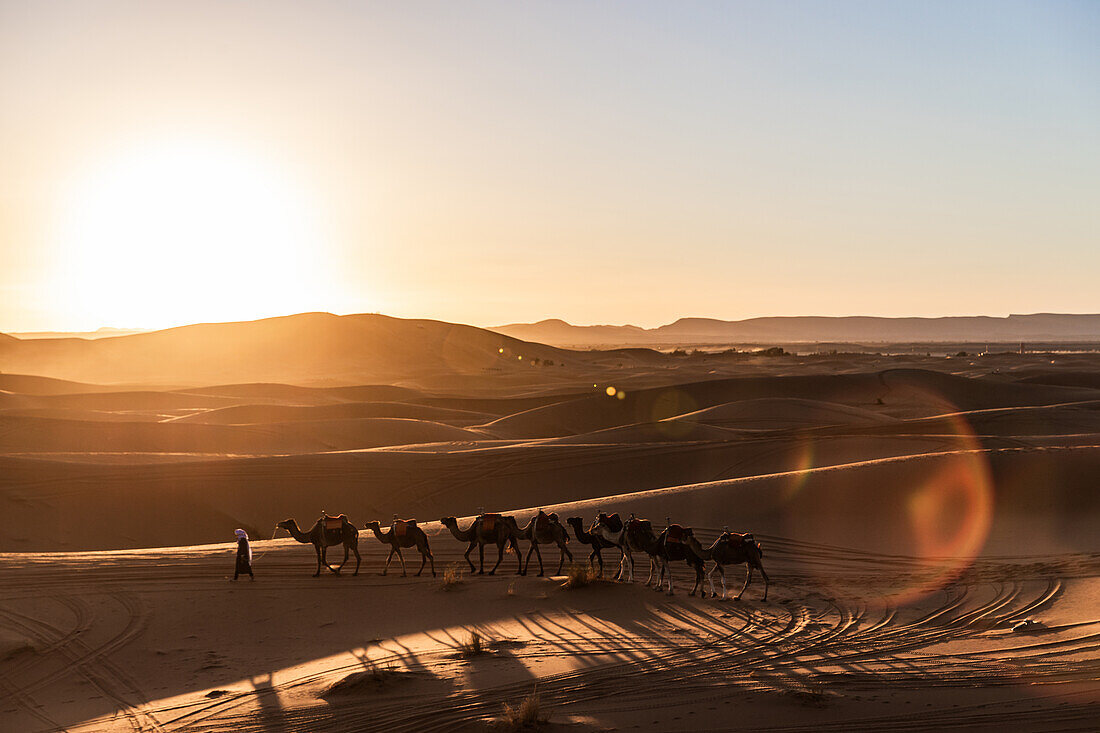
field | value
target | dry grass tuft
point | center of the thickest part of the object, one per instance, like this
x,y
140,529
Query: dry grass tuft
x,y
474,646
452,577
528,715
580,575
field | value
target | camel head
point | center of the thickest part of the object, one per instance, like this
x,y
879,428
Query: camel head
x,y
287,524
448,521
374,524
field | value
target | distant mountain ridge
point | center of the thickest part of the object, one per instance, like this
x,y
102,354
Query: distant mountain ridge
x,y
1048,327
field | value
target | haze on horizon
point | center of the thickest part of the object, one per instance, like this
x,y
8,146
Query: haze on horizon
x,y
495,162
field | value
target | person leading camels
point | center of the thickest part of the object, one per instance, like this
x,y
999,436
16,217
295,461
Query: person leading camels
x,y
403,533
327,532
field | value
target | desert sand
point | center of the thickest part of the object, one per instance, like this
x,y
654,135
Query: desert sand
x,y
912,510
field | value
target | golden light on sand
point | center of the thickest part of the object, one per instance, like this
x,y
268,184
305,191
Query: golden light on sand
x,y
184,231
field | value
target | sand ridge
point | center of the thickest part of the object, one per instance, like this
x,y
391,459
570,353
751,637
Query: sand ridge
x,y
909,519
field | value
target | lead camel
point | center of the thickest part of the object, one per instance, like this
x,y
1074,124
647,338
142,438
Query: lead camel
x,y
327,532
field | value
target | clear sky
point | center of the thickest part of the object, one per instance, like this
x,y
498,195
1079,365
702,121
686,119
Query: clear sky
x,y
492,162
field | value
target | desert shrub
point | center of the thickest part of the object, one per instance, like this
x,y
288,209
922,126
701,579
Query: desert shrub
x,y
528,715
473,646
452,577
580,575
773,351
678,352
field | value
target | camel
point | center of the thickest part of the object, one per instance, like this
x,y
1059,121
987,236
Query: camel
x,y
634,535
674,543
486,529
544,529
328,531
596,542
403,533
732,549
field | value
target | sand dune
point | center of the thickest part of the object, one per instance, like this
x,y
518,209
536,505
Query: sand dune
x,y
907,393
909,519
259,414
780,413
47,435
304,348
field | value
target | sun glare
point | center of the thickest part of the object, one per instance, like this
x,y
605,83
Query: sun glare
x,y
184,232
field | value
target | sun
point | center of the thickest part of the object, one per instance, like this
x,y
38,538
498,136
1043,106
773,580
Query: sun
x,y
186,231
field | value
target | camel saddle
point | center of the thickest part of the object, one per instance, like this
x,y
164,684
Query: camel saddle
x,y
542,522
674,533
634,524
738,540
613,522
402,526
489,521
334,524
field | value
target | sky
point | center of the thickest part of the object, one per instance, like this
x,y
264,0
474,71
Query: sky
x,y
497,162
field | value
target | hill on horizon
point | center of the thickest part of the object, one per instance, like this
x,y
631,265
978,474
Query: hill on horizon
x,y
1044,327
307,348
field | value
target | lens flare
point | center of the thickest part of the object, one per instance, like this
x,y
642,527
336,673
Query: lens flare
x,y
948,512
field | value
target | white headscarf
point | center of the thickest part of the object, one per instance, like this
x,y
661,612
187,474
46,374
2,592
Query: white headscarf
x,y
244,536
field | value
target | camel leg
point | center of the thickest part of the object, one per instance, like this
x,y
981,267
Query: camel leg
x,y
345,562
318,549
515,548
467,556
423,561
748,579
386,568
401,557
355,549
324,559
538,554
527,560
710,577
761,567
561,556
481,558
668,569
653,561
500,557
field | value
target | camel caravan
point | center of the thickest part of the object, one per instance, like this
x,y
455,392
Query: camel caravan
x,y
632,537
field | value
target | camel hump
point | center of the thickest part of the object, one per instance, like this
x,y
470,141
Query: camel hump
x,y
489,521
542,522
674,533
613,522
402,526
